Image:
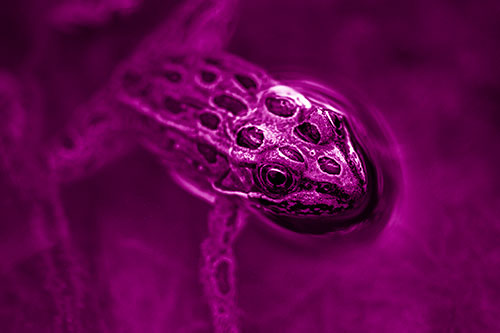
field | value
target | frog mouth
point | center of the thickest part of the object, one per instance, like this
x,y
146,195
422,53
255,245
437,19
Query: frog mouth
x,y
314,219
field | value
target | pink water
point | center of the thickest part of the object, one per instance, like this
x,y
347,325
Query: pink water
x,y
430,67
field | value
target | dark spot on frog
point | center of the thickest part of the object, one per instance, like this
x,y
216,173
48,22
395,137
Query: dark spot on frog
x,y
208,77
328,165
193,103
282,107
292,154
172,76
222,276
245,81
208,152
230,103
307,132
172,105
209,120
250,137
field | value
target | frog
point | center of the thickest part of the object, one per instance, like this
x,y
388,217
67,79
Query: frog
x,y
304,158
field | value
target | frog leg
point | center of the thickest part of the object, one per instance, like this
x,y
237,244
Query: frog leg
x,y
20,132
96,135
35,170
25,168
89,141
218,267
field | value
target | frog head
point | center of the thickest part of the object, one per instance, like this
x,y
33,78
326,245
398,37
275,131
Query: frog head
x,y
299,162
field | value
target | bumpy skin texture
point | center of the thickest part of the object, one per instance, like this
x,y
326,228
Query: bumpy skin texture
x,y
225,127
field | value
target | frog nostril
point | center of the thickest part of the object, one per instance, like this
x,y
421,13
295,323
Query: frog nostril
x,y
292,154
328,165
250,137
280,106
307,132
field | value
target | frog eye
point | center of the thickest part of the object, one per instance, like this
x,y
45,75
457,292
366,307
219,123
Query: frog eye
x,y
276,178
282,107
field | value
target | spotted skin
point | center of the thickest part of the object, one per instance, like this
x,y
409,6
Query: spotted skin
x,y
249,131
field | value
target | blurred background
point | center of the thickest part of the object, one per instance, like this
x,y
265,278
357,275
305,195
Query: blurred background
x,y
431,69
